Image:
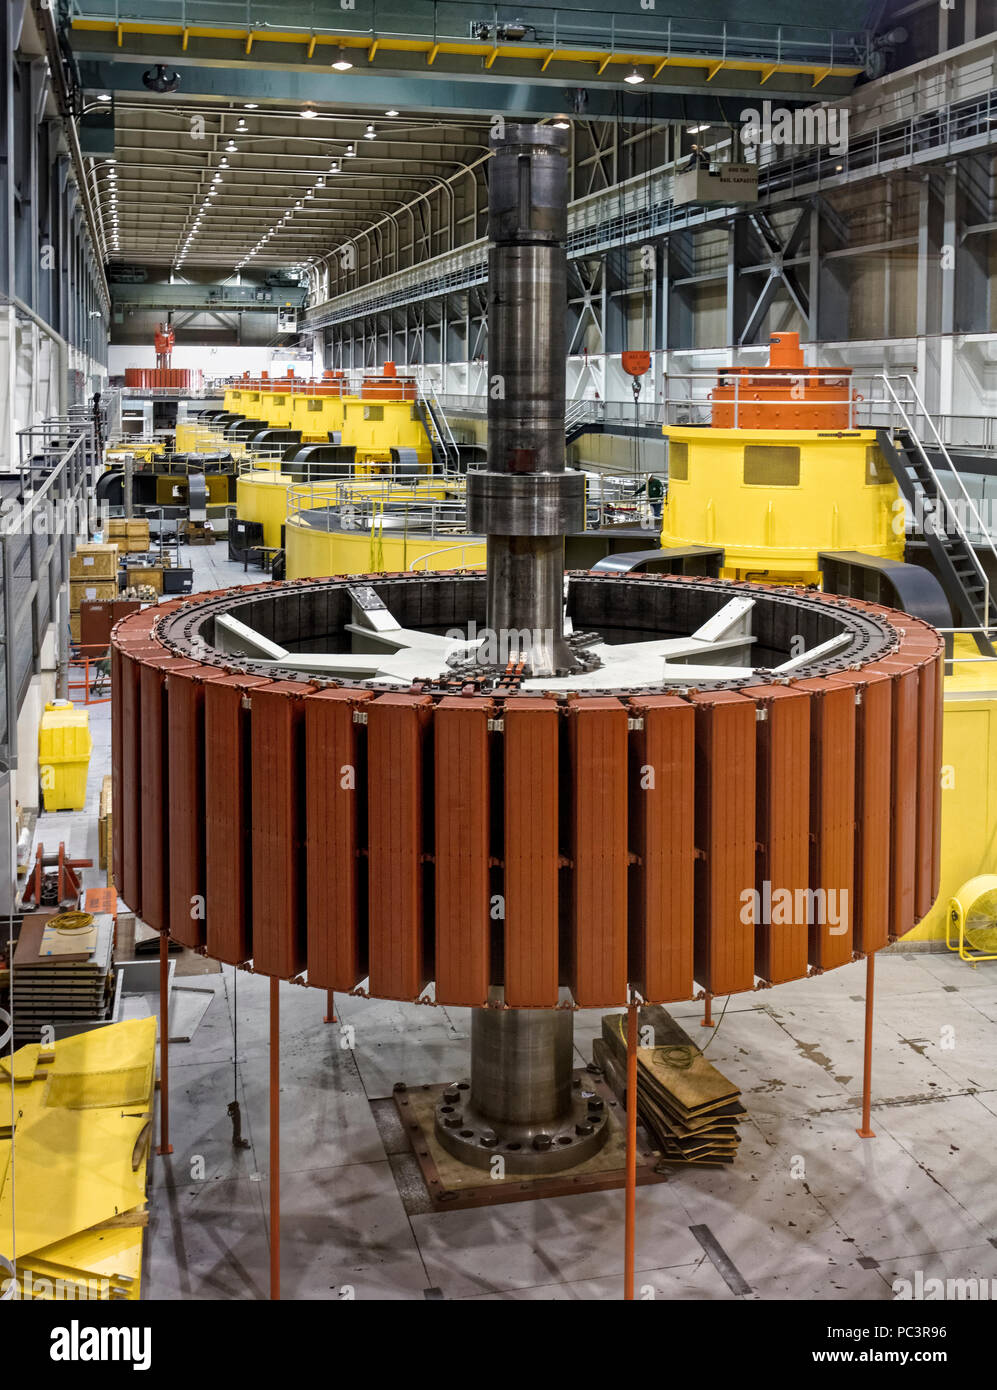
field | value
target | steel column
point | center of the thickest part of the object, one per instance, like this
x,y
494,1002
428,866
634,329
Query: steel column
x,y
165,1147
630,1219
274,1137
866,1132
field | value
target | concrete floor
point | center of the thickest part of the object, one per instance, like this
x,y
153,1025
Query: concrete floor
x,y
808,1210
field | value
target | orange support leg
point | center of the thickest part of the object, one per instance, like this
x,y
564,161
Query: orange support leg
x,y
631,1181
707,1020
330,1007
274,1137
866,1132
165,1147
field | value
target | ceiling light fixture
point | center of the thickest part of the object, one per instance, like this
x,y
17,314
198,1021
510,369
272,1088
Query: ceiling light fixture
x,y
308,114
634,77
342,63
350,152
104,96
251,105
392,112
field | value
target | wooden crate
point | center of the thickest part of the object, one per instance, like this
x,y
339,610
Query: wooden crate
x,y
94,560
74,626
90,591
146,574
104,823
131,535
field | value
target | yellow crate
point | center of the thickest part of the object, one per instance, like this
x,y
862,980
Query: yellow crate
x,y
146,574
94,561
64,747
104,824
90,591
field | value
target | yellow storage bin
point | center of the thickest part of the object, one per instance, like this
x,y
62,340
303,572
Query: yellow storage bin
x,y
64,746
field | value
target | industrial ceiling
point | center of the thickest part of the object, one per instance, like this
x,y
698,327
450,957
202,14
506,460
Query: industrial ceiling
x,y
251,136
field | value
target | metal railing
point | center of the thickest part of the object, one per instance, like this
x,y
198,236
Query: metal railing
x,y
363,505
952,519
89,677
687,401
47,504
436,417
423,561
570,28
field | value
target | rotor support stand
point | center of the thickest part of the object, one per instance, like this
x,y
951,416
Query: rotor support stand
x,y
165,1147
630,1221
274,1137
867,1132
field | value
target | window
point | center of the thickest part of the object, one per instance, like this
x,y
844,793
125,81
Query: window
x,y
315,404
678,462
877,470
278,400
373,412
771,465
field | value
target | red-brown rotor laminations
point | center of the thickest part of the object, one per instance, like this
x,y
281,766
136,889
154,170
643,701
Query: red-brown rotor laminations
x,y
594,841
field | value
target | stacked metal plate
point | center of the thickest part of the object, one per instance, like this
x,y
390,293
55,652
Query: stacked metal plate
x,y
691,1112
61,987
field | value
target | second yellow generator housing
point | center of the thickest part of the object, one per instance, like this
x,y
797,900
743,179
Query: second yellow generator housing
x,y
781,474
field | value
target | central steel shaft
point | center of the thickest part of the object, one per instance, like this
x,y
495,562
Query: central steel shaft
x,y
523,1102
527,500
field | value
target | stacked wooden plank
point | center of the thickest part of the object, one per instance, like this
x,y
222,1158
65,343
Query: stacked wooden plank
x,y
690,1111
61,980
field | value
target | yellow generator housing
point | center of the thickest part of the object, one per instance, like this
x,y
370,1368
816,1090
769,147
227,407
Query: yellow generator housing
x,y
775,499
375,427
314,552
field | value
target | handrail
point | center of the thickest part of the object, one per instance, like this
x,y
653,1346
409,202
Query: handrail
x,y
563,27
423,560
366,501
947,501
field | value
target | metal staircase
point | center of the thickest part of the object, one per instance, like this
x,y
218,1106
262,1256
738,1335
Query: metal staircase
x,y
941,515
446,453
582,417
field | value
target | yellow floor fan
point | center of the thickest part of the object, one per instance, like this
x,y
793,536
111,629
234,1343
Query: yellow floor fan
x,y
972,920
